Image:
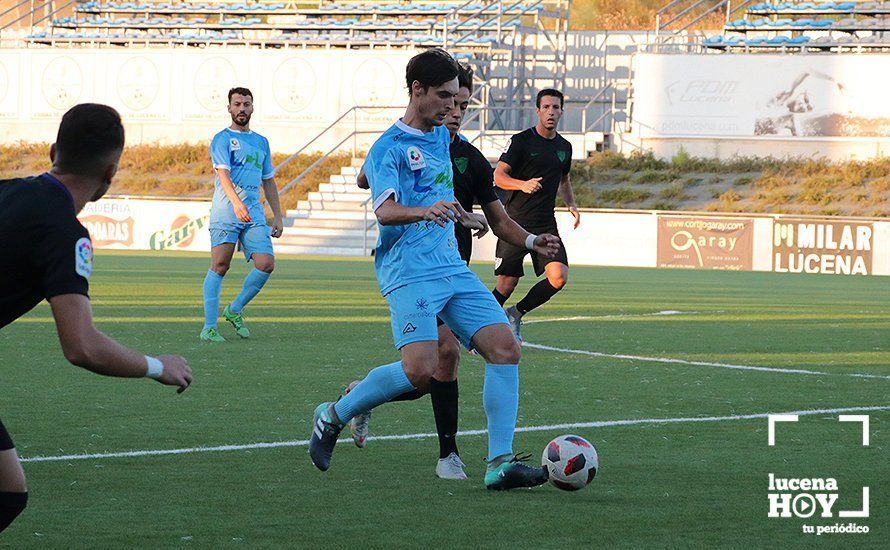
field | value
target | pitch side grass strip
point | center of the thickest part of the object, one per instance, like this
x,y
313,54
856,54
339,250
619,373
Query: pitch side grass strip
x,y
567,426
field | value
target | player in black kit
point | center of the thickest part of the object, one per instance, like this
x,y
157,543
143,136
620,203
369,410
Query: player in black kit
x,y
48,255
473,184
532,170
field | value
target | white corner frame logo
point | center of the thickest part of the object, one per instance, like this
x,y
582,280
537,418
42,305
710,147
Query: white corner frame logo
x,y
803,498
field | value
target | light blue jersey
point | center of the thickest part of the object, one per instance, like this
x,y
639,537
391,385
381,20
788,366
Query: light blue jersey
x,y
414,168
247,157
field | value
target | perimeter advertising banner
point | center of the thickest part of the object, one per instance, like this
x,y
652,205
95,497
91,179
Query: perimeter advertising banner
x,y
762,95
137,224
705,243
823,246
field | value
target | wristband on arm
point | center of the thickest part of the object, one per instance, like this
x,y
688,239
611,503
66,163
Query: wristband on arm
x,y
530,241
155,367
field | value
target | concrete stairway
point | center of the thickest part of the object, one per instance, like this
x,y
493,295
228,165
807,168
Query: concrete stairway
x,y
335,220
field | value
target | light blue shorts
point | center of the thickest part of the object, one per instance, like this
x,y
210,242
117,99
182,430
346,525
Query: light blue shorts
x,y
255,238
461,300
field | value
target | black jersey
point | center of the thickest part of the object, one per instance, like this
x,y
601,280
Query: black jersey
x,y
47,252
473,183
532,156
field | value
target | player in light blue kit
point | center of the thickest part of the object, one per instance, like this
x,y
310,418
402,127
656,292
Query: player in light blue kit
x,y
243,162
422,275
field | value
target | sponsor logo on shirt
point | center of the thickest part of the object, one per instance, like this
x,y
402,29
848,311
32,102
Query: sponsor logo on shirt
x,y
254,159
415,158
507,146
83,257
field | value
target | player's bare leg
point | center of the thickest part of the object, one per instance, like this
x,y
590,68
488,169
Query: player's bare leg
x,y
13,490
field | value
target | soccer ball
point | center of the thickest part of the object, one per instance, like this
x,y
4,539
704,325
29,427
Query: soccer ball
x,y
571,462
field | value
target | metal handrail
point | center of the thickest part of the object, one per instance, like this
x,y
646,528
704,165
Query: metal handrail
x,y
16,6
329,127
320,159
33,10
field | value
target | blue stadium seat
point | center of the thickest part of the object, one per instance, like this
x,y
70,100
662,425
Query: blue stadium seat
x,y
797,40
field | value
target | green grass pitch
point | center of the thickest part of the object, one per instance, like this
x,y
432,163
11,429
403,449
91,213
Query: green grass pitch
x,y
321,323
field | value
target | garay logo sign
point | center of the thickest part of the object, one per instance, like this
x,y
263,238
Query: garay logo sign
x,y
181,233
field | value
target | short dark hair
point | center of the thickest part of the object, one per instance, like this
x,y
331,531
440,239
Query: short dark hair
x,y
433,67
549,92
240,91
88,133
465,78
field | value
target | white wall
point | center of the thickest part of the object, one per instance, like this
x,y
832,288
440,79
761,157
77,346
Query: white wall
x,y
176,95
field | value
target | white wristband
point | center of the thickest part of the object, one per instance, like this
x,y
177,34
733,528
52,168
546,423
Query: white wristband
x,y
530,241
155,367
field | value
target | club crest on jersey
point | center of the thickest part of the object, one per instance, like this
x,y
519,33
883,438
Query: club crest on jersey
x,y
461,163
83,257
561,155
415,159
234,145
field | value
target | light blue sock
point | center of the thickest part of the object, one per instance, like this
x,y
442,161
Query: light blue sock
x,y
253,283
500,398
379,386
212,286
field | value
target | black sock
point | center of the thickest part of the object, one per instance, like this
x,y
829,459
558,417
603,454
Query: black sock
x,y
499,297
11,505
444,397
408,396
539,294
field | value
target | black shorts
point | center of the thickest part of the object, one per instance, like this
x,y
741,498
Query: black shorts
x,y
5,440
508,258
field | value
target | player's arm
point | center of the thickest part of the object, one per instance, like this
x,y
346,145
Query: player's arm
x,y
85,346
390,212
271,191
568,196
361,180
225,181
504,180
508,230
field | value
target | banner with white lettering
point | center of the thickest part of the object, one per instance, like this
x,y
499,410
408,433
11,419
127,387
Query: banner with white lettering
x,y
822,246
142,224
705,243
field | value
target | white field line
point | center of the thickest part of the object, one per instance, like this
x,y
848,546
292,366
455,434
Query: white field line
x,y
567,426
697,363
615,316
